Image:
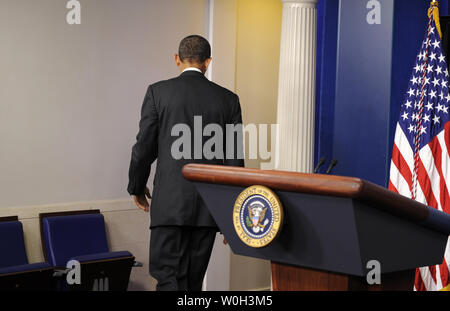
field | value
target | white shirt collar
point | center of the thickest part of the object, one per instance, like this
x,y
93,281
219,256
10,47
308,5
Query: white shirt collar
x,y
192,69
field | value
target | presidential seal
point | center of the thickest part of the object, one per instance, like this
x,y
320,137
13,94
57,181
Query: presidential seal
x,y
257,216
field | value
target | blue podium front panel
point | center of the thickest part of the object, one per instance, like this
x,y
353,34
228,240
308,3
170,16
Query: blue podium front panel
x,y
333,234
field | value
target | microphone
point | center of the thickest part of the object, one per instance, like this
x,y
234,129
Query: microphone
x,y
319,164
333,163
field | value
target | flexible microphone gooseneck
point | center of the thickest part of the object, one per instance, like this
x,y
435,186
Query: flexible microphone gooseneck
x,y
333,163
319,164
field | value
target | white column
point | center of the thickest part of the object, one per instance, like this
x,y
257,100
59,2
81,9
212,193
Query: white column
x,y
297,83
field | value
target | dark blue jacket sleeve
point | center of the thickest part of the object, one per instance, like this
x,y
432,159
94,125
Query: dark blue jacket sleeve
x,y
145,151
237,159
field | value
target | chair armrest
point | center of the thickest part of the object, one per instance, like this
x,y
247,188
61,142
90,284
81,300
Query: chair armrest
x,y
25,268
60,272
102,256
137,264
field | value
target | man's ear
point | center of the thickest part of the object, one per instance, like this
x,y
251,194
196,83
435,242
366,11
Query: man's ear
x,y
177,60
208,62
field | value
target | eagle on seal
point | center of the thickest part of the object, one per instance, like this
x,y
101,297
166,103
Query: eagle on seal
x,y
257,213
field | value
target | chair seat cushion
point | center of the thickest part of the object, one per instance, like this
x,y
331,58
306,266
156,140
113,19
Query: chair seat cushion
x,y
25,268
102,256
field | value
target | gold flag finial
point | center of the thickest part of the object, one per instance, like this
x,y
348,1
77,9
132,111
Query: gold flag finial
x,y
434,10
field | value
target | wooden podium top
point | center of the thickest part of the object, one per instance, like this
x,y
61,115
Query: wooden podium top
x,y
326,185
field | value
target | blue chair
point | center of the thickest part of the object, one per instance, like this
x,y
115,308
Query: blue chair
x,y
15,271
81,236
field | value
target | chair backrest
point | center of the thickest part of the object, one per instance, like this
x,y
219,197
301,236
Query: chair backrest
x,y
65,236
12,243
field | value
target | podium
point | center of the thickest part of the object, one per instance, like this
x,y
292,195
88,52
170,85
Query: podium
x,y
332,228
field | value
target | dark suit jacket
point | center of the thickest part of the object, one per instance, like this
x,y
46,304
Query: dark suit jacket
x,y
175,200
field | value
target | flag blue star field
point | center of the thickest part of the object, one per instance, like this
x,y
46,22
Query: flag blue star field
x,y
437,97
420,167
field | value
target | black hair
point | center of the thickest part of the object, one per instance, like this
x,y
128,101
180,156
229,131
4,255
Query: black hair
x,y
195,49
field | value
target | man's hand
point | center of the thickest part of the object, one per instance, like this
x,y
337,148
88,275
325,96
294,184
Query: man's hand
x,y
141,200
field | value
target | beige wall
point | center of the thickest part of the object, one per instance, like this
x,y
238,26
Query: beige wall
x,y
257,64
70,96
257,61
246,49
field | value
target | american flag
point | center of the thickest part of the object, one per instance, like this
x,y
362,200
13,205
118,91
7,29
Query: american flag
x,y
420,167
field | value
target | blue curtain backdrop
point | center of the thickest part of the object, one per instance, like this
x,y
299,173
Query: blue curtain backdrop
x,y
327,31
408,30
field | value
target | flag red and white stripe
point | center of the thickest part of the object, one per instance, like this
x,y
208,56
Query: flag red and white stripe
x,y
432,189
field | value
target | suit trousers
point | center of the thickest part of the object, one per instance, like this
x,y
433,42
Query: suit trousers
x,y
179,256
